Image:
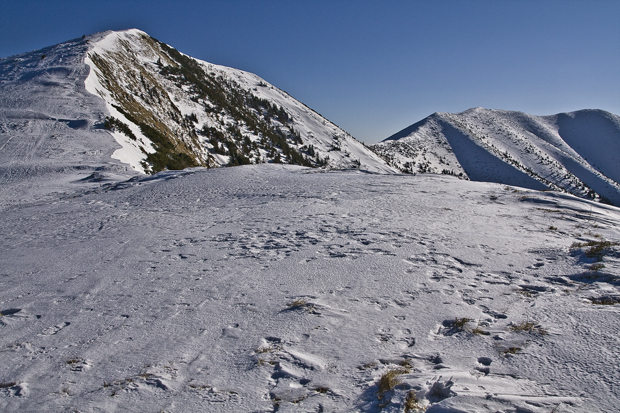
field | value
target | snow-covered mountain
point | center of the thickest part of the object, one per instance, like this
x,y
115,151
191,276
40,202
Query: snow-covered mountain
x,y
118,102
577,152
285,288
180,111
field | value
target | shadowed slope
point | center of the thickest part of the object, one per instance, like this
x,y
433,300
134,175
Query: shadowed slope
x,y
577,152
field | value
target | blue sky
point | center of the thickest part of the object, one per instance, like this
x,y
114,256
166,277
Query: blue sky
x,y
372,67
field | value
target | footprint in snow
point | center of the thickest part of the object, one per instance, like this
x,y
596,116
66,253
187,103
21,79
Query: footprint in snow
x,y
483,365
232,331
213,395
10,311
78,364
13,389
437,390
293,374
495,314
54,329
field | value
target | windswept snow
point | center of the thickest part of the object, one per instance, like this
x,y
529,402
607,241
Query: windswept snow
x,y
50,126
277,288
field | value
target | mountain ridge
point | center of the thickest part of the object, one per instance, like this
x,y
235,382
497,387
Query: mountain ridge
x,y
167,110
575,152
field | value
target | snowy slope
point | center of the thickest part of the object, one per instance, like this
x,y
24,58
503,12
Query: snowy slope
x,y
270,288
577,152
50,126
54,103
153,83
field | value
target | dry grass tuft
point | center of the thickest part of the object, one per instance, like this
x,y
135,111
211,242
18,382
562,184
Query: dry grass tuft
x,y
605,300
74,360
528,327
301,304
412,404
461,323
525,293
7,384
367,366
510,350
479,331
389,380
298,303
596,249
406,364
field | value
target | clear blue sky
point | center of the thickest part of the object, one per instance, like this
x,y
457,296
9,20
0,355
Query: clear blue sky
x,y
372,67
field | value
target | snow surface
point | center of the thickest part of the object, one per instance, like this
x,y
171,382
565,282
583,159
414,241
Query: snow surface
x,y
51,126
278,288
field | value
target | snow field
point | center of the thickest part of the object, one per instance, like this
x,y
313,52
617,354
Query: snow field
x,y
277,288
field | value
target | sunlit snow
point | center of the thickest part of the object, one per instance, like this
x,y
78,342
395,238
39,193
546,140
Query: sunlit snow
x,y
260,288
268,287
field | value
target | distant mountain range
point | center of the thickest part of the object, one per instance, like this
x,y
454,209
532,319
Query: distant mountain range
x,y
577,152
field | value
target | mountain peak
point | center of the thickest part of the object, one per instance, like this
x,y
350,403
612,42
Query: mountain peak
x,y
182,111
125,102
117,103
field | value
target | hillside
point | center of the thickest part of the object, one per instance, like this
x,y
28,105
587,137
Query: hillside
x,y
577,152
107,106
185,112
51,133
